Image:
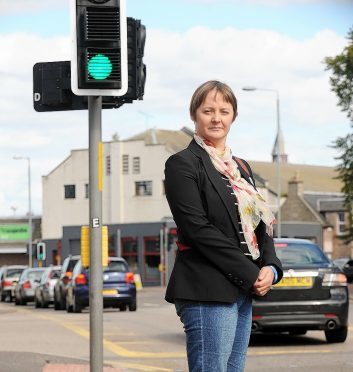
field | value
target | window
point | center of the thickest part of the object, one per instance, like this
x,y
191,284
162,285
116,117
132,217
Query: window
x,y
86,190
143,188
107,165
125,164
70,191
136,165
152,258
129,248
341,223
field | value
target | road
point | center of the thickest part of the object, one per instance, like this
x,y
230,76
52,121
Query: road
x,y
150,339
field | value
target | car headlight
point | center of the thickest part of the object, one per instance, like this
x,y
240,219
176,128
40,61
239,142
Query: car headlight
x,y
334,279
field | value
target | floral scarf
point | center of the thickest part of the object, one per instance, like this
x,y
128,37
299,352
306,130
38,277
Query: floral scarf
x,y
251,205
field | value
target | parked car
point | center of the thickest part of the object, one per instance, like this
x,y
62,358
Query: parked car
x,y
44,293
119,290
24,289
312,295
346,265
9,276
60,288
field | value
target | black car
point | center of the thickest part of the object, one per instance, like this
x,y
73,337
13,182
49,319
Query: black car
x,y
119,289
312,294
60,289
346,265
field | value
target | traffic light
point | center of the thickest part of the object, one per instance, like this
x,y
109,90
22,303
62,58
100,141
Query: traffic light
x,y
41,251
136,39
99,48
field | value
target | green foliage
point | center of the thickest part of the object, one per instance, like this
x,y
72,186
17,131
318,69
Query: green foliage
x,y
344,145
341,80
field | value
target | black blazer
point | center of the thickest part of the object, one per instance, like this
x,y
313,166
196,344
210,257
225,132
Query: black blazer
x,y
214,268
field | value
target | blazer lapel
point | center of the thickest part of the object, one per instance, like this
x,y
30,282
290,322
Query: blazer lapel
x,y
215,178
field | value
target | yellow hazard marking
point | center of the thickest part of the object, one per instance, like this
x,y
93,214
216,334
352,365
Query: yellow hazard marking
x,y
114,348
144,367
285,352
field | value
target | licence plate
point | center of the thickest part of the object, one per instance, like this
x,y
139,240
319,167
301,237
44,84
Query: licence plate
x,y
305,281
109,292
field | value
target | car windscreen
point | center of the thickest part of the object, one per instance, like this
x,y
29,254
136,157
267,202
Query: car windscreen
x,y
300,254
116,266
12,273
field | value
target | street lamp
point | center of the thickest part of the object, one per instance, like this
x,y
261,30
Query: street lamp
x,y
278,159
29,207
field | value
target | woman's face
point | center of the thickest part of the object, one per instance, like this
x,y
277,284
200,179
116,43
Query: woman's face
x,y
214,118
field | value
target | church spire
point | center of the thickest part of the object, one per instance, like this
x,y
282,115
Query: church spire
x,y
279,150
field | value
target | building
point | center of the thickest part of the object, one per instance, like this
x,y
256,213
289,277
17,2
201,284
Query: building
x,y
318,216
14,238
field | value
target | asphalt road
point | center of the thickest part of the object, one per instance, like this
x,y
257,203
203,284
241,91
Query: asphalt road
x,y
150,339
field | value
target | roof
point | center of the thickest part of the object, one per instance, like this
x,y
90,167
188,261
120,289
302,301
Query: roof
x,y
314,177
325,202
174,140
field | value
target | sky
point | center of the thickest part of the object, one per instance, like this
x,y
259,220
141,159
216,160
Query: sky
x,y
267,44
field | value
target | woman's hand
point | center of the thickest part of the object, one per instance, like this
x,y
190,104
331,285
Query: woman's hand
x,y
264,281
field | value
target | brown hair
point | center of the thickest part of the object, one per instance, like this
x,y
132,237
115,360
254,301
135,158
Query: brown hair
x,y
201,92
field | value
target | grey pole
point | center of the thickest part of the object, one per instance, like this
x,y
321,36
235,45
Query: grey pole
x,y
278,163
29,214
95,216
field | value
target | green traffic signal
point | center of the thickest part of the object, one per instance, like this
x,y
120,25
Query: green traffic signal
x,y
100,67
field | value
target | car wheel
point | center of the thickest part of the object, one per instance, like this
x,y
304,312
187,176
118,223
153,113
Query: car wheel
x,y
62,303
17,302
45,304
122,307
133,306
69,308
36,303
8,297
336,335
77,308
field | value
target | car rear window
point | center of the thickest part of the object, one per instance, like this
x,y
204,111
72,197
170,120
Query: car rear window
x,y
55,274
35,274
300,254
13,273
116,266
71,265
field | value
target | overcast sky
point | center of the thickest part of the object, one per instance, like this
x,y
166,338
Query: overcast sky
x,y
272,44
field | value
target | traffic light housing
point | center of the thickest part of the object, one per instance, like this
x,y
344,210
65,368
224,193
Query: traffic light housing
x,y
136,39
41,251
99,48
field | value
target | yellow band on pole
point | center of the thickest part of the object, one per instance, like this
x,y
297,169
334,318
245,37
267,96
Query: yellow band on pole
x,y
100,166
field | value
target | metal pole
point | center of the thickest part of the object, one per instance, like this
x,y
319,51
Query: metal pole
x,y
95,216
29,214
279,232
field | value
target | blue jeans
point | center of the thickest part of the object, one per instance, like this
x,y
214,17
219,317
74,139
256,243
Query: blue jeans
x,y
217,334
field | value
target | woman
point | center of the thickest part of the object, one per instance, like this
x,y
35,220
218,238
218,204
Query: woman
x,y
225,249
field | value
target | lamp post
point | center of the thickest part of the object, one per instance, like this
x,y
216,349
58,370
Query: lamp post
x,y
29,207
278,159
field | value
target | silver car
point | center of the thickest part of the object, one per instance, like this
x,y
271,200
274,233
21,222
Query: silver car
x,y
24,290
9,276
44,293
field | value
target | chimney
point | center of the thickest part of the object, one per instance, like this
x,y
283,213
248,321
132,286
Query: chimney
x,y
295,185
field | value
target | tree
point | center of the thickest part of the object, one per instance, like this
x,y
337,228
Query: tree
x,y
341,80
